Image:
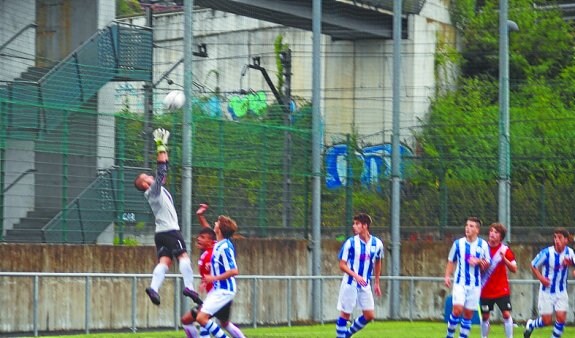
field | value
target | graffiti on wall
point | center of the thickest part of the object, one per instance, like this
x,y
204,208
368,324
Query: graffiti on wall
x,y
376,164
253,102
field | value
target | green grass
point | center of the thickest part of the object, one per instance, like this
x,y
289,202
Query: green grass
x,y
379,329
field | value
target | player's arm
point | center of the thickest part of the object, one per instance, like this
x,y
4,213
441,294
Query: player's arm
x,y
509,260
539,276
345,268
228,274
376,275
485,260
161,139
201,217
448,272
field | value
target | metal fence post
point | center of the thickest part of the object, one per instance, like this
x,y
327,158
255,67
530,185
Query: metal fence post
x,y
134,300
289,302
36,281
321,299
177,303
411,297
254,301
87,305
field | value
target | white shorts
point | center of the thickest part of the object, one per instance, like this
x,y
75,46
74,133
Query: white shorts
x,y
468,296
216,299
351,295
549,302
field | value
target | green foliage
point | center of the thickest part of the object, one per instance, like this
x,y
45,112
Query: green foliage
x,y
459,141
127,8
127,241
237,166
541,48
279,47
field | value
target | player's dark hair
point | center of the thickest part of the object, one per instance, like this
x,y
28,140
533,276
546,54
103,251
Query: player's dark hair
x,y
227,226
500,228
208,231
563,232
476,220
363,218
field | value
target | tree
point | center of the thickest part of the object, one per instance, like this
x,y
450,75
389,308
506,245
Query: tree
x,y
128,7
459,139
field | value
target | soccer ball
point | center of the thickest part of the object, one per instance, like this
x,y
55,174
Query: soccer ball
x,y
174,100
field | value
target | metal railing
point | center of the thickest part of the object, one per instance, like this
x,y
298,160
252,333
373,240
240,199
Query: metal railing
x,y
15,36
119,51
95,208
252,295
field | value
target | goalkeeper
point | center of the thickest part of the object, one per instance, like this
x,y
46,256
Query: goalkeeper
x,y
168,238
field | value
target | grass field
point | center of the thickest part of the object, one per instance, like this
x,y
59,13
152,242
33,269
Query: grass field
x,y
380,329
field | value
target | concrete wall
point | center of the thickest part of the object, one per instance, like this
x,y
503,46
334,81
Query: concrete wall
x,y
19,54
62,300
63,25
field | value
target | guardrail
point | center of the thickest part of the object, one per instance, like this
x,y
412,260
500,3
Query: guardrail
x,y
286,296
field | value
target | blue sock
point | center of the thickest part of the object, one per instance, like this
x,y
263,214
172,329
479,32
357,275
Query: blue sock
x,y
215,330
358,324
465,328
558,329
340,327
452,323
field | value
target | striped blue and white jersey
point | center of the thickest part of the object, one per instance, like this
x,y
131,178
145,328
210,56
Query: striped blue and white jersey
x,y
361,257
161,201
460,253
552,267
224,259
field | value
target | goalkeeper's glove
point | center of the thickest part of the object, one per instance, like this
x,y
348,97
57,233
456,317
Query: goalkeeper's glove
x,y
161,138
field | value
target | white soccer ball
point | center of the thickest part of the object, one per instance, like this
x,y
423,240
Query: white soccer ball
x,y
174,100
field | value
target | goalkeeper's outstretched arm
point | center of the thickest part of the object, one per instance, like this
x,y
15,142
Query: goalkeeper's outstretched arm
x,y
161,137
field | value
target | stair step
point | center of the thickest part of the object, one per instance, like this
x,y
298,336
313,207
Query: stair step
x,y
33,74
23,236
30,224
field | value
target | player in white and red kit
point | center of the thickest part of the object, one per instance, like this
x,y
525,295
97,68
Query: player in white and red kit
x,y
495,282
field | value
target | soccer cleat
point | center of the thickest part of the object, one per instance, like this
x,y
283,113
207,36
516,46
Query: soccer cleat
x,y
154,296
193,295
528,331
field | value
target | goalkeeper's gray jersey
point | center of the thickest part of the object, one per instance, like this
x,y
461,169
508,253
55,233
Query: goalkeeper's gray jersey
x,y
162,203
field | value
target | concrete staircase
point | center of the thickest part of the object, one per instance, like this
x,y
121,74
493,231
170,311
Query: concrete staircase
x,y
36,105
29,229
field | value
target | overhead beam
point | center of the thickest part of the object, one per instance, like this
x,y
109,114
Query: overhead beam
x,y
339,20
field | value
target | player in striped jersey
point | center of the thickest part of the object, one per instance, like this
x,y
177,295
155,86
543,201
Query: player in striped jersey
x,y
468,256
495,282
205,242
223,271
359,257
551,267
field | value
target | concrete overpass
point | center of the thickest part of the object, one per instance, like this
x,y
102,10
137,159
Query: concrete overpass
x,y
341,19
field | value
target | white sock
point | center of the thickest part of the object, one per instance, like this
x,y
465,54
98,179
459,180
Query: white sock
x,y
158,276
191,331
185,266
508,325
234,330
485,328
